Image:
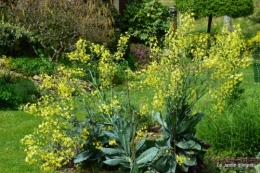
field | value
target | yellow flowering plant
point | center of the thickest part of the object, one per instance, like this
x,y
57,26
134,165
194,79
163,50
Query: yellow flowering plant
x,y
181,71
64,96
60,135
189,66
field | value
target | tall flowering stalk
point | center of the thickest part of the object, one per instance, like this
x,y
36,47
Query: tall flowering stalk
x,y
189,66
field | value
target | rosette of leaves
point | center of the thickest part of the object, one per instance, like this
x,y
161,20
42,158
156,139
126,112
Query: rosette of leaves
x,y
133,157
126,153
91,153
179,137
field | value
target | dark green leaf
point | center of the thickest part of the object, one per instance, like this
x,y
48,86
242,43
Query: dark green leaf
x,y
125,138
191,161
135,168
83,156
140,143
114,162
184,168
189,145
184,126
147,156
111,135
111,151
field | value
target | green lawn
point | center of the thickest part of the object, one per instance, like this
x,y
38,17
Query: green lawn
x,y
14,125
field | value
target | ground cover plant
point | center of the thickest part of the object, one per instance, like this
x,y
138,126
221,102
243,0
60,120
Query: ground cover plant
x,y
16,91
191,68
29,66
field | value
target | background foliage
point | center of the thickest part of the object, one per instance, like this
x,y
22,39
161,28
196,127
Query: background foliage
x,y
145,19
56,25
15,40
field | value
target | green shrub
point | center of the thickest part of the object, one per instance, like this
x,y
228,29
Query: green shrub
x,y
31,66
16,91
58,24
26,89
15,40
145,19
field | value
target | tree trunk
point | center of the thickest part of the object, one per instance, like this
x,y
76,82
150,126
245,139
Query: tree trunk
x,y
209,23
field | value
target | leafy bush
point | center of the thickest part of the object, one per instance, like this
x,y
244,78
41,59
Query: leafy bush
x,y
57,25
15,40
31,66
145,19
15,91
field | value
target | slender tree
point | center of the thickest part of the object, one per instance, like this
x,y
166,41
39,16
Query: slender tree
x,y
216,8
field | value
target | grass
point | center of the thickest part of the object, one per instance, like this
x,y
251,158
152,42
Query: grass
x,y
14,125
236,132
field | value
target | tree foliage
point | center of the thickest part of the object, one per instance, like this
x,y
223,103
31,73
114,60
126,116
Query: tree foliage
x,y
204,8
216,8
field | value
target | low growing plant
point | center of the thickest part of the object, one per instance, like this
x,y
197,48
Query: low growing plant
x,y
29,66
16,91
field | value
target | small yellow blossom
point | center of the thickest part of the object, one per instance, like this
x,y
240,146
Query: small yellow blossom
x,y
112,142
180,159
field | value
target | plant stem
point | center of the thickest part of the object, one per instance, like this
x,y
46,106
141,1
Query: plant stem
x,y
131,119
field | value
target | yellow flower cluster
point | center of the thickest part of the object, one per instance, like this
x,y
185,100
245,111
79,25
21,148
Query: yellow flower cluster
x,y
144,109
80,52
256,39
180,159
111,108
107,65
56,140
97,145
190,64
141,133
6,62
112,142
